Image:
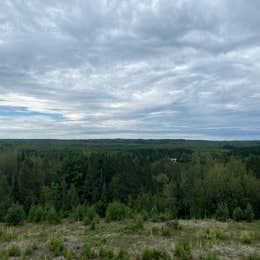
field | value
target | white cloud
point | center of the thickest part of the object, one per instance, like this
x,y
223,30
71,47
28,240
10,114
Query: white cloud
x,y
130,69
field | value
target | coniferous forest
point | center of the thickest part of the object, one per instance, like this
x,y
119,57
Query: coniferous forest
x,y
165,180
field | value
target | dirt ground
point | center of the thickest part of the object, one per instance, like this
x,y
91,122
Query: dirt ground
x,y
228,244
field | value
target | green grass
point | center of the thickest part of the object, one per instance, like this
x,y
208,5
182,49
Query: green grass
x,y
129,239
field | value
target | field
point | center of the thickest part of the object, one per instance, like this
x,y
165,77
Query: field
x,y
185,239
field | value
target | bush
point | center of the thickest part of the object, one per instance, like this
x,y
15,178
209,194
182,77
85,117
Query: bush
x,y
106,253
222,212
3,254
237,214
123,255
246,237
155,254
55,245
52,216
15,215
36,213
182,251
30,249
90,215
116,211
14,251
78,213
249,213
212,234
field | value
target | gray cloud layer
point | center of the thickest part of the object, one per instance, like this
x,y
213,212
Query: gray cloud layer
x,y
118,68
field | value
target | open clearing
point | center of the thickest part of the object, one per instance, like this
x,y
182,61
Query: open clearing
x,y
205,237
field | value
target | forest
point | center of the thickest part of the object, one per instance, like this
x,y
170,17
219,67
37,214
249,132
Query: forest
x,y
158,179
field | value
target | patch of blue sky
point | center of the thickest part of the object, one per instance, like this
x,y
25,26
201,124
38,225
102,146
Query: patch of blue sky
x,y
23,111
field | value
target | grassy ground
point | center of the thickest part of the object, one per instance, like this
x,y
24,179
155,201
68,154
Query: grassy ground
x,y
194,238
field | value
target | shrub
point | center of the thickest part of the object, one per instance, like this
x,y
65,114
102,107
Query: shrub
x,y
222,212
78,213
15,215
182,251
123,255
55,245
246,237
52,216
218,234
14,251
3,254
116,211
30,249
212,234
87,253
249,213
237,214
155,254
36,213
106,253
90,215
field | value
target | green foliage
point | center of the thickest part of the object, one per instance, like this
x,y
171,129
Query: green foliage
x,y
36,213
56,245
122,255
155,254
30,249
182,251
90,215
249,213
15,214
78,213
52,216
116,211
41,175
14,251
4,254
246,237
222,212
87,253
106,253
212,234
7,234
210,256
238,214
253,257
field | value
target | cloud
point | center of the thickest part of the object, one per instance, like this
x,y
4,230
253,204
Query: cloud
x,y
149,69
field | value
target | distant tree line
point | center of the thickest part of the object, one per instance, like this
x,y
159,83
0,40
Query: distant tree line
x,y
147,181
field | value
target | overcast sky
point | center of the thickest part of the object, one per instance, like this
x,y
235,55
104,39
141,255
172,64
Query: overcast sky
x,y
130,69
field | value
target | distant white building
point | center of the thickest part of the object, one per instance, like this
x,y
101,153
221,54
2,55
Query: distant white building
x,y
173,159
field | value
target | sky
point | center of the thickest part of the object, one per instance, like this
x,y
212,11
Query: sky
x,y
84,69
